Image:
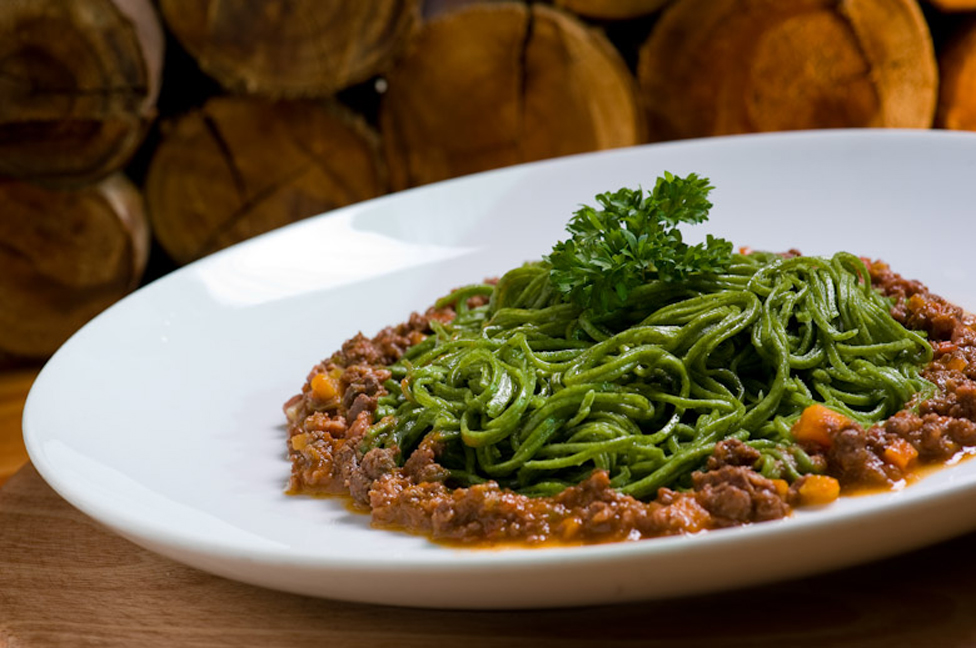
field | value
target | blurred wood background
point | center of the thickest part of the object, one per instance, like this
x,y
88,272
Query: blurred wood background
x,y
140,135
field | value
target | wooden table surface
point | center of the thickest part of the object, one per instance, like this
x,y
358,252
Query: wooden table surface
x,y
66,581
15,383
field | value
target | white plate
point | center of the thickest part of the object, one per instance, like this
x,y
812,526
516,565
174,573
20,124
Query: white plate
x,y
162,418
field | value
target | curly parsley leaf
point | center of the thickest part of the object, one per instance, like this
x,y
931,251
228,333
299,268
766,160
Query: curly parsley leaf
x,y
635,238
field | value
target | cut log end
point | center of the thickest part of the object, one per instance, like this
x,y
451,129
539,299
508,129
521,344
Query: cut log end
x,y
79,84
498,84
241,166
65,255
304,48
748,66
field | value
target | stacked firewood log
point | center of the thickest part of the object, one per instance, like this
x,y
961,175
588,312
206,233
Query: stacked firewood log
x,y
137,136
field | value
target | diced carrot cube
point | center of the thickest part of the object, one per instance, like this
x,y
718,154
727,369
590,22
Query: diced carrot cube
x,y
324,387
782,487
900,454
817,424
957,363
816,490
915,303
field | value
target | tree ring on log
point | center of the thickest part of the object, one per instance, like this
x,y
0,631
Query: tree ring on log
x,y
492,85
242,166
717,67
78,86
65,255
299,48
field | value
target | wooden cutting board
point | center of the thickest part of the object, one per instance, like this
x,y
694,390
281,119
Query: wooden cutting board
x,y
66,581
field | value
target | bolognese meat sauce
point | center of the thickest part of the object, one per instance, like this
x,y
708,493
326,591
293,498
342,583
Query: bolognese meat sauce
x,y
336,408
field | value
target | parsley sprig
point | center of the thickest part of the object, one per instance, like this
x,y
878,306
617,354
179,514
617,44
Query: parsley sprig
x,y
635,238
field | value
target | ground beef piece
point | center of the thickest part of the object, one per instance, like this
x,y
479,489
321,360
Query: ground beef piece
x,y
855,458
480,513
389,345
931,438
362,379
917,308
933,316
965,337
487,511
363,403
395,501
958,400
335,426
962,431
732,492
347,458
374,464
732,452
358,350
929,434
422,464
393,341
738,495
315,468
674,513
360,386
596,512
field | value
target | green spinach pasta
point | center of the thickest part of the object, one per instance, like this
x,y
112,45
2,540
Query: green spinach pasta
x,y
529,391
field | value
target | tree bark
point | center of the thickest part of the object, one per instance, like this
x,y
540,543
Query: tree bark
x,y
492,85
65,255
78,86
294,48
714,67
241,166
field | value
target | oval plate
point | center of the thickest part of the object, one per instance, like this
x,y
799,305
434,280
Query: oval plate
x,y
162,417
